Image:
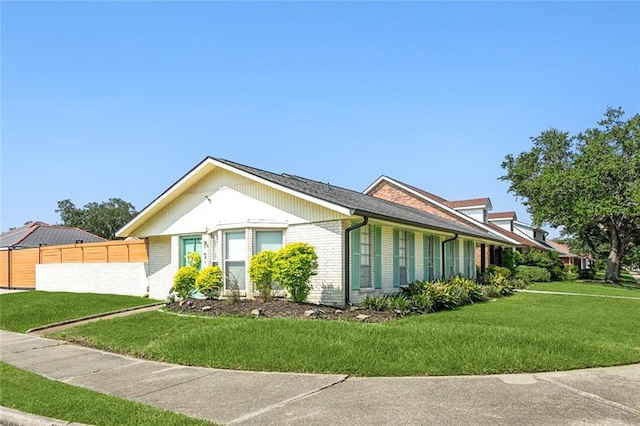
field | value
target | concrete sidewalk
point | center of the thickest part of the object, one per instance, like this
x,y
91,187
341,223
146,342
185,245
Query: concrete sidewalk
x,y
604,396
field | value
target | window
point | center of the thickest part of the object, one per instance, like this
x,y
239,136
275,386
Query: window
x,y
452,259
429,257
268,240
188,245
402,257
234,260
214,249
469,258
365,257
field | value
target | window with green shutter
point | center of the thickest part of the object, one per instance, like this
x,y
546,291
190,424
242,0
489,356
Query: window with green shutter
x,y
396,258
377,253
411,249
437,259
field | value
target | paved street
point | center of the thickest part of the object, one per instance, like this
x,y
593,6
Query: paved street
x,y
605,396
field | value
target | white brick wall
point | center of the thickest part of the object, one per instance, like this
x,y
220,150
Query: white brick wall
x,y
104,278
326,238
163,265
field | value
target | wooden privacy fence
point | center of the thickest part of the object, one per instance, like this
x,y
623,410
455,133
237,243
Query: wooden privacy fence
x,y
18,266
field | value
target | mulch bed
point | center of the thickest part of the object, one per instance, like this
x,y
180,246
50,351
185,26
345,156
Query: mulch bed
x,y
276,308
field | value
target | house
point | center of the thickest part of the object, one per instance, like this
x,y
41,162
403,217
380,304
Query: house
x,y
37,234
365,245
473,212
568,258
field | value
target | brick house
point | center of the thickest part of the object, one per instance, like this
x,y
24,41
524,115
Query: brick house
x,y
365,245
473,212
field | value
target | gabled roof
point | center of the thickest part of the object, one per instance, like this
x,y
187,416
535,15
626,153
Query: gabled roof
x,y
39,233
343,200
474,202
502,215
443,204
522,240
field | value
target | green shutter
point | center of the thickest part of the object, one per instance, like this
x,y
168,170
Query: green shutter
x,y
425,257
412,256
456,256
396,258
355,259
447,259
437,258
466,264
377,257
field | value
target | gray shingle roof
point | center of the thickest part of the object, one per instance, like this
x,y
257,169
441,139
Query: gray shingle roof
x,y
362,204
35,234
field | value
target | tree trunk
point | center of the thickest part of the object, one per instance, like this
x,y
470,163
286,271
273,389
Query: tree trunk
x,y
613,261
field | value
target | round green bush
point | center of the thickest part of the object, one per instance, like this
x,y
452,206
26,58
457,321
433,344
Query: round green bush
x,y
261,273
293,266
533,273
209,282
184,281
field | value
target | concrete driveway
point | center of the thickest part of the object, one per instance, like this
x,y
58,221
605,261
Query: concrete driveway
x,y
602,396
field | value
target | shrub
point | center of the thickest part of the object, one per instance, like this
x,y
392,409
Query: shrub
x,y
376,303
193,259
293,266
261,273
209,282
600,265
497,272
587,274
423,302
511,259
571,268
414,288
548,260
184,281
400,303
533,273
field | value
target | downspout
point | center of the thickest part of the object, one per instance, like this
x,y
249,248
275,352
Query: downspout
x,y
347,258
455,237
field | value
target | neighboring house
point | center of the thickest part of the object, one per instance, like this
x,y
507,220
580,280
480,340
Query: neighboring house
x,y
37,234
568,258
531,236
228,212
473,213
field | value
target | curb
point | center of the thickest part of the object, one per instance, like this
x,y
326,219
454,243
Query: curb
x,y
10,417
90,317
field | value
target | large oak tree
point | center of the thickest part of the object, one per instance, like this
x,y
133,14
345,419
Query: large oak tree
x,y
588,184
102,219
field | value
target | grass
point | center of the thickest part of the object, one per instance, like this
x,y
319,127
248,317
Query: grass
x,y
523,333
588,287
30,393
22,311
626,280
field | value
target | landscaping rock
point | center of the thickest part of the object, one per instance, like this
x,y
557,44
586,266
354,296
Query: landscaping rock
x,y
310,312
206,308
256,312
338,311
362,317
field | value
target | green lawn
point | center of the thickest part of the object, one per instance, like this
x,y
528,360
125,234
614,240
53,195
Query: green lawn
x,y
523,333
626,280
30,393
587,287
22,311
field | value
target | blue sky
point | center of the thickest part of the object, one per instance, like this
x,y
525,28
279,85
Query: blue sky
x,y
120,99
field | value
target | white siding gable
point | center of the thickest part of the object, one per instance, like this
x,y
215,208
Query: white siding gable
x,y
224,199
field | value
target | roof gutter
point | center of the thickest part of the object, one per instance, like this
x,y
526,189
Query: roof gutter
x,y
347,258
455,237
